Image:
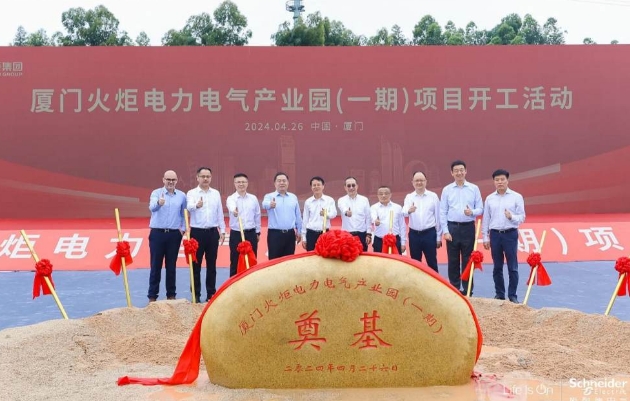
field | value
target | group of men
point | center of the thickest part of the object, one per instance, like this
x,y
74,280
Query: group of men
x,y
431,220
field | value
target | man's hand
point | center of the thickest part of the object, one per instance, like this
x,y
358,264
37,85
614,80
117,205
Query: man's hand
x,y
403,248
468,211
349,213
222,239
368,239
508,215
161,201
235,212
200,203
412,208
447,237
438,244
272,204
486,245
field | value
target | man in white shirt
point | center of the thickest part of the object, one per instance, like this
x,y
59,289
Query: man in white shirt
x,y
423,209
503,212
313,215
244,205
355,213
207,226
381,214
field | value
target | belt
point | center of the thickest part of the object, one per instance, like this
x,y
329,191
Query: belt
x,y
204,228
164,230
461,223
357,232
277,230
314,231
249,230
421,231
509,230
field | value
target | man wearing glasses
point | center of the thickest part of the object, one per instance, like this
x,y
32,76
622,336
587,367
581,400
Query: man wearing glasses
x,y
244,205
459,205
167,227
207,226
355,213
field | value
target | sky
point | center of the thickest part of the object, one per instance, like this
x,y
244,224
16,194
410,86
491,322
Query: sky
x,y
601,20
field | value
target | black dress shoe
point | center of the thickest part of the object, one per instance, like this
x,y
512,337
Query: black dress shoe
x,y
498,297
514,300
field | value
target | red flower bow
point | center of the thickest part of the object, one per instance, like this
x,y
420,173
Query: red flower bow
x,y
476,257
123,250
245,249
622,265
389,241
338,244
190,248
542,278
43,268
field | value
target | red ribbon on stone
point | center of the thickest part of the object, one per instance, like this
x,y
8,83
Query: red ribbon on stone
x,y
123,250
389,241
338,244
476,257
542,278
43,268
245,249
190,248
622,265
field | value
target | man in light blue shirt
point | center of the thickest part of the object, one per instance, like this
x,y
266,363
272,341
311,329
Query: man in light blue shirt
x,y
460,204
167,227
503,213
283,217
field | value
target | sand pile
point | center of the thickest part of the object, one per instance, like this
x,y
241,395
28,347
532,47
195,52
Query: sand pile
x,y
82,359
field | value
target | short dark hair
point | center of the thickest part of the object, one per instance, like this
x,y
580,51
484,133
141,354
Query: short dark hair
x,y
421,172
204,168
501,172
458,163
317,178
237,175
384,187
350,178
279,173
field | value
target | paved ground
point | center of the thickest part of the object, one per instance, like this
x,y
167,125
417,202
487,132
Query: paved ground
x,y
585,286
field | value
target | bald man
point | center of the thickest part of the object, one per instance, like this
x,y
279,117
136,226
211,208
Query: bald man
x,y
167,225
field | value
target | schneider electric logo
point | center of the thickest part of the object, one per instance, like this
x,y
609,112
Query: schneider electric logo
x,y
11,68
600,387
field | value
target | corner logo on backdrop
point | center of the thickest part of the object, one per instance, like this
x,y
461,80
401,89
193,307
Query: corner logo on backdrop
x,y
11,69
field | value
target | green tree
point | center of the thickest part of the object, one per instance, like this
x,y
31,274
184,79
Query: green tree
x,y
230,26
453,36
384,38
502,34
316,31
589,41
553,34
143,39
531,31
473,36
97,27
614,42
427,32
226,27
20,37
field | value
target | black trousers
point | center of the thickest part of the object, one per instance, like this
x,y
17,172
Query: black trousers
x,y
362,236
311,239
208,239
235,239
280,243
377,245
458,251
424,242
164,247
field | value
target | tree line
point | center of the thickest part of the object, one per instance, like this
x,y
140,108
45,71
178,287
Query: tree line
x,y
227,26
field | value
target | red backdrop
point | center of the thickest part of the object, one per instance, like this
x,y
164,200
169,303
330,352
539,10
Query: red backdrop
x,y
84,130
